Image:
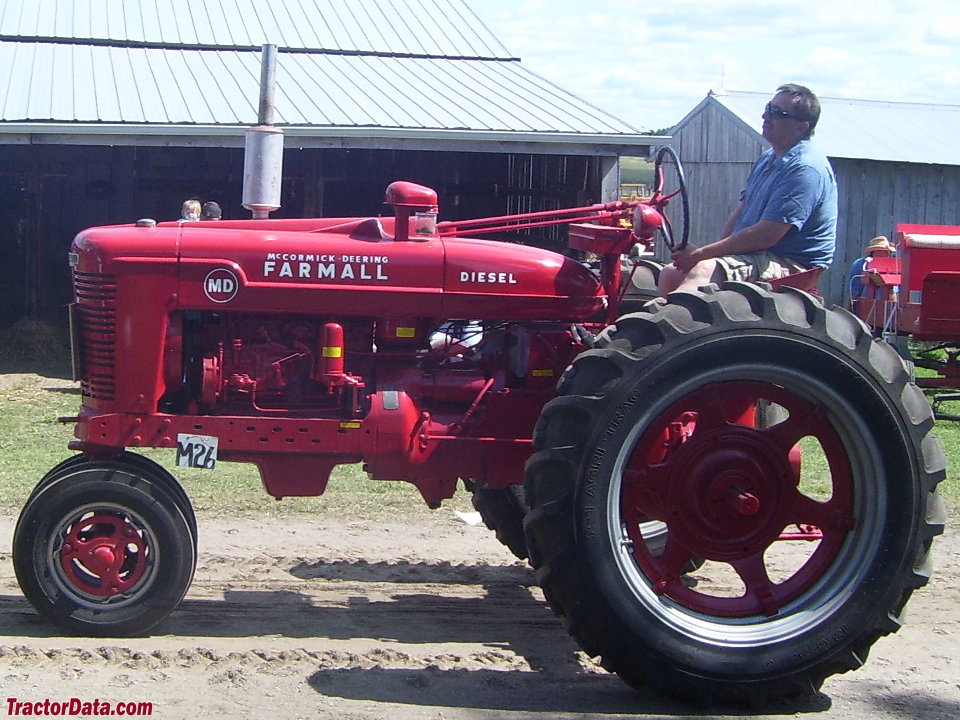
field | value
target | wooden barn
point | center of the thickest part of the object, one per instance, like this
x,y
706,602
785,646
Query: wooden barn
x,y
114,110
894,162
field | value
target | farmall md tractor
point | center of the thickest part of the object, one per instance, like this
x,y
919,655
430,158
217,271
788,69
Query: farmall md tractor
x,y
730,492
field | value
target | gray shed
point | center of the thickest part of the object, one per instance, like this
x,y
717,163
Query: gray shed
x,y
895,163
112,110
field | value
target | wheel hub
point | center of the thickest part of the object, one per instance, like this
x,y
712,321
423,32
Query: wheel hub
x,y
725,493
101,559
103,555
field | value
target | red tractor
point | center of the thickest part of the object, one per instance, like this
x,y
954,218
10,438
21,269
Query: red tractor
x,y
730,492
914,296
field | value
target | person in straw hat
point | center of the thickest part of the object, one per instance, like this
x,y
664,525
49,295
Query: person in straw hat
x,y
880,246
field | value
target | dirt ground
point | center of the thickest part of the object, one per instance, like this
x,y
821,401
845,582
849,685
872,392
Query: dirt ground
x,y
368,618
378,619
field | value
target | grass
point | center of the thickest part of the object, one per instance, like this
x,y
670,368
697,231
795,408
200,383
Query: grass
x,y
32,441
948,433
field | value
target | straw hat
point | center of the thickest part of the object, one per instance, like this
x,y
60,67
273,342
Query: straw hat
x,y
880,243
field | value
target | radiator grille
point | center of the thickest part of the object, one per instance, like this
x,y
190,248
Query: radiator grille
x,y
95,318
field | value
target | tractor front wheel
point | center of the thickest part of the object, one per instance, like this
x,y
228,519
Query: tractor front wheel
x,y
104,549
790,541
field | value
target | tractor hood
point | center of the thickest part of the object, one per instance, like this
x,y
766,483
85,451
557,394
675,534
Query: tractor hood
x,y
340,266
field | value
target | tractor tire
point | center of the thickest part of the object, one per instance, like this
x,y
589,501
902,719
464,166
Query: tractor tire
x,y
653,423
103,549
642,287
502,510
143,464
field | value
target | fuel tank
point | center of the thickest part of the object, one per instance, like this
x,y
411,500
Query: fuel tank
x,y
339,266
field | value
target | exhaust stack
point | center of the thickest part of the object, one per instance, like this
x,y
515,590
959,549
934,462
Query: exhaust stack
x,y
263,146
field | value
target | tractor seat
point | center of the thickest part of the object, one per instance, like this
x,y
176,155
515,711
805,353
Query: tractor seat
x,y
805,280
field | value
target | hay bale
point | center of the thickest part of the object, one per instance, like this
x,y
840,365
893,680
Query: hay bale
x,y
35,343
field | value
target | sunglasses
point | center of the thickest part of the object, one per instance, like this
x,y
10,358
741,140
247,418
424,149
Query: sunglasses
x,y
777,113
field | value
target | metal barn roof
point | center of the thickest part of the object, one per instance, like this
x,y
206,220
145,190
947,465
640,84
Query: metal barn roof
x,y
426,27
867,129
401,69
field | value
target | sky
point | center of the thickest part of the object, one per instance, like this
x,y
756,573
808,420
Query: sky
x,y
649,64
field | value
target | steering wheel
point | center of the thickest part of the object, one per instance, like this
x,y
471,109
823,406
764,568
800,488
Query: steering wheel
x,y
664,192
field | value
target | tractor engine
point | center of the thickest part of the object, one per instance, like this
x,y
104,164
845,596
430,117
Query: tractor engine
x,y
282,365
238,364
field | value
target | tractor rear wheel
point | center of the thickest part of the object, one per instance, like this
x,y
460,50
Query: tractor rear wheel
x,y
804,565
642,276
104,549
502,511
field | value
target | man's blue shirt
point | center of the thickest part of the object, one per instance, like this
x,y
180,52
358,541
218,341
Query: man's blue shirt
x,y
801,190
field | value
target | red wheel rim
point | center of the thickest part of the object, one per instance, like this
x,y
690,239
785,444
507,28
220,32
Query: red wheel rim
x,y
726,491
103,555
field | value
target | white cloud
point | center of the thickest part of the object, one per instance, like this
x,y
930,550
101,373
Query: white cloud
x,y
946,30
651,64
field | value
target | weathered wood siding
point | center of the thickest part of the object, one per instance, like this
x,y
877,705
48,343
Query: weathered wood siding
x,y
717,153
714,135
